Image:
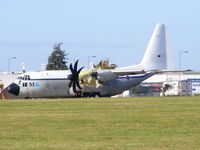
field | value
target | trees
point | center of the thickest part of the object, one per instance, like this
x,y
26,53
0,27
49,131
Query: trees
x,y
57,60
105,64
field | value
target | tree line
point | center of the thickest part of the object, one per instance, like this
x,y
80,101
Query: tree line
x,y
58,60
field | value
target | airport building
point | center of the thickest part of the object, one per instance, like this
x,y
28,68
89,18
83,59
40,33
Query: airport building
x,y
173,84
7,78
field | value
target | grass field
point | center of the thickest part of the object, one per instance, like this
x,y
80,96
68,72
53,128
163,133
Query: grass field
x,y
168,123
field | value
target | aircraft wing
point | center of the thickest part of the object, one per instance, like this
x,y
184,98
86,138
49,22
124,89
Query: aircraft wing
x,y
107,75
122,72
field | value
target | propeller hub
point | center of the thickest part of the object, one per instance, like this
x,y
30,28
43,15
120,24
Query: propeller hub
x,y
70,76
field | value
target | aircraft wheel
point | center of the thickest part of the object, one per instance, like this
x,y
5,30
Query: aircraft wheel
x,y
96,96
88,95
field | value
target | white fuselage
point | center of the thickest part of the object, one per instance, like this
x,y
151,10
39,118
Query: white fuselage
x,y
51,84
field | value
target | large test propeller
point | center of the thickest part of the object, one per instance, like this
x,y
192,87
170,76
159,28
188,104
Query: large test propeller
x,y
74,76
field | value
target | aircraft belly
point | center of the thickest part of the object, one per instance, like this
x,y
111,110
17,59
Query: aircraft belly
x,y
51,88
57,89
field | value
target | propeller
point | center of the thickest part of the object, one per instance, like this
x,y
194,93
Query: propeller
x,y
74,76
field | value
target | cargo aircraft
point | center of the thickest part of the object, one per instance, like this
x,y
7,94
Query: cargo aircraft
x,y
94,82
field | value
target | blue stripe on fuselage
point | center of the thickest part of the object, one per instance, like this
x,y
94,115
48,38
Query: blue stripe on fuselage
x,y
50,79
130,77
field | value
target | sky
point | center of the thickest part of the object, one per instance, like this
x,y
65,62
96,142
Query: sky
x,y
118,30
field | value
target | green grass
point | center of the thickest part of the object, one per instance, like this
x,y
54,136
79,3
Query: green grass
x,y
168,123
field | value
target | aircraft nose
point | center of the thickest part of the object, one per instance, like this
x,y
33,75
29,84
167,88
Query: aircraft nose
x,y
14,89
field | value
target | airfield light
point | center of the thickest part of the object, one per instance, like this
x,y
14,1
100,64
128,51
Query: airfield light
x,y
89,60
180,54
9,60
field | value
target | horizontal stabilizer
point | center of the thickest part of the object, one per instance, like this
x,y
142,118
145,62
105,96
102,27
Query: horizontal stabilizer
x,y
172,71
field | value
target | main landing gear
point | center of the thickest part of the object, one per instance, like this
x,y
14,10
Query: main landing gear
x,y
91,94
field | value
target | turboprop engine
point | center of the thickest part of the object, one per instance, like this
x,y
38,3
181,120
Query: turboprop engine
x,y
104,75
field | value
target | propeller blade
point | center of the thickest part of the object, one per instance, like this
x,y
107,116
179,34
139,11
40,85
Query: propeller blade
x,y
70,84
71,68
74,87
80,70
74,77
78,85
75,66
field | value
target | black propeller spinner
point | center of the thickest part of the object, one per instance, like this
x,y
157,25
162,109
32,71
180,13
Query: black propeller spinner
x,y
74,77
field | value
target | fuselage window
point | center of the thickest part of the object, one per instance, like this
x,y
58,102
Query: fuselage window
x,y
24,84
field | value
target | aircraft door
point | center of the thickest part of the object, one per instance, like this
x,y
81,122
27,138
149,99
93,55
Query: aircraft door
x,y
24,89
25,86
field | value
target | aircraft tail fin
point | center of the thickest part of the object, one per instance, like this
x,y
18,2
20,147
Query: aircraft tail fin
x,y
155,56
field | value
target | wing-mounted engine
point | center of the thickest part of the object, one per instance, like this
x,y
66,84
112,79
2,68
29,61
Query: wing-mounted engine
x,y
87,81
104,75
96,77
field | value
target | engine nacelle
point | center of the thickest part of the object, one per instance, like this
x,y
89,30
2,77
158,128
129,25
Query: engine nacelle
x,y
105,75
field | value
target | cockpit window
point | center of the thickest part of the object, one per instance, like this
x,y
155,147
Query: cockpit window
x,y
20,78
25,77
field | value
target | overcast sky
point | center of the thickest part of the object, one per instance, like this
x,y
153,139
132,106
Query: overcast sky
x,y
118,30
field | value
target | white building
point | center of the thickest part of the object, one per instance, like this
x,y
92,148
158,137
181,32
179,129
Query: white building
x,y
193,76
8,78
